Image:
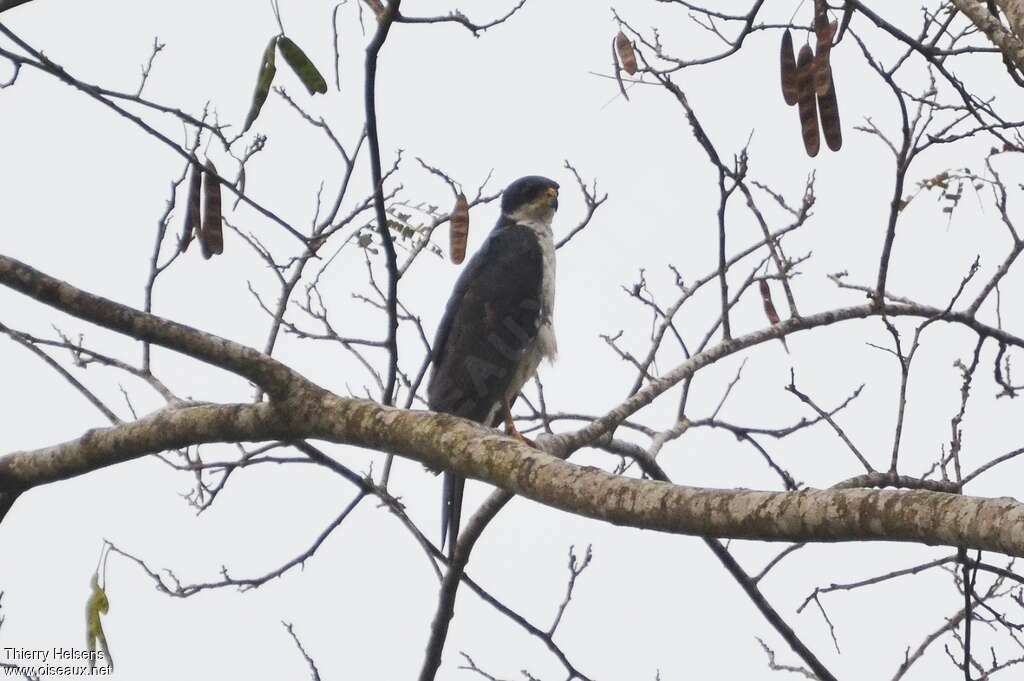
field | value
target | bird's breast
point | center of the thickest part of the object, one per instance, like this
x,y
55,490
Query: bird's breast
x,y
547,345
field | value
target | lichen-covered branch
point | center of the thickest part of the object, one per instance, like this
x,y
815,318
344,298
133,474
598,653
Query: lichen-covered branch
x,y
445,442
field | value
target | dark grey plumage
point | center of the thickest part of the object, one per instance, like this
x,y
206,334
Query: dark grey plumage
x,y
497,324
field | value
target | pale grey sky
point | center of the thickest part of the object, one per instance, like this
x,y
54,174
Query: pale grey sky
x,y
82,194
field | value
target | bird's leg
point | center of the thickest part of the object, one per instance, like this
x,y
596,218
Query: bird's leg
x,y
510,426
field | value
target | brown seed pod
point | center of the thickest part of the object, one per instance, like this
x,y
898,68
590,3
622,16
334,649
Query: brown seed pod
x,y
211,239
807,100
828,107
627,55
787,64
766,298
459,232
769,307
822,69
192,225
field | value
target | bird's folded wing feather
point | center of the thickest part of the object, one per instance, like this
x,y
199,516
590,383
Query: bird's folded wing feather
x,y
492,317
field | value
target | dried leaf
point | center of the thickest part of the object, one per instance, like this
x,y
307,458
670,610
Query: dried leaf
x,y
766,298
98,604
822,69
376,6
769,307
828,107
787,63
459,232
627,55
301,65
211,239
192,225
807,100
268,68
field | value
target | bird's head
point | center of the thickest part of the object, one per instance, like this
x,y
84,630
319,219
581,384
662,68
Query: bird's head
x,y
530,199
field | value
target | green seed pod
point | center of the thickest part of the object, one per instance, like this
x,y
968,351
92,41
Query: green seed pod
x,y
266,77
302,66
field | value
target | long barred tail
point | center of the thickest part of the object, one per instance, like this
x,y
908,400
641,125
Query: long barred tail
x,y
451,513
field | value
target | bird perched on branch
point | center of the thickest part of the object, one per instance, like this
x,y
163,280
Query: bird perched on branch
x,y
498,324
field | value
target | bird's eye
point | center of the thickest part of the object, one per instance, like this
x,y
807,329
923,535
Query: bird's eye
x,y
552,192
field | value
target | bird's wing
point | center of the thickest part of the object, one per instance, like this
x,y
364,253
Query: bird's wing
x,y
492,317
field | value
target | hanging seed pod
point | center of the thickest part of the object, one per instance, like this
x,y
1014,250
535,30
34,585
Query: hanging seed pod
x,y
766,298
301,65
192,225
627,55
822,69
807,103
769,307
211,239
268,68
828,107
459,233
787,63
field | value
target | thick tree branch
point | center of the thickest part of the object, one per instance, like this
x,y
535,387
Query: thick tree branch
x,y
11,4
275,378
445,442
1009,44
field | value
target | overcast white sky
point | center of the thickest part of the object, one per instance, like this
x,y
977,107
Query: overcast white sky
x,y
83,191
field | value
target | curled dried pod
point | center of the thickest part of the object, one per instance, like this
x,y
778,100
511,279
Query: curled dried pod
x,y
211,238
627,55
828,108
459,232
787,67
192,207
268,68
97,606
822,68
807,100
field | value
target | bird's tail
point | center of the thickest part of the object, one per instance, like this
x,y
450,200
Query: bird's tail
x,y
451,514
